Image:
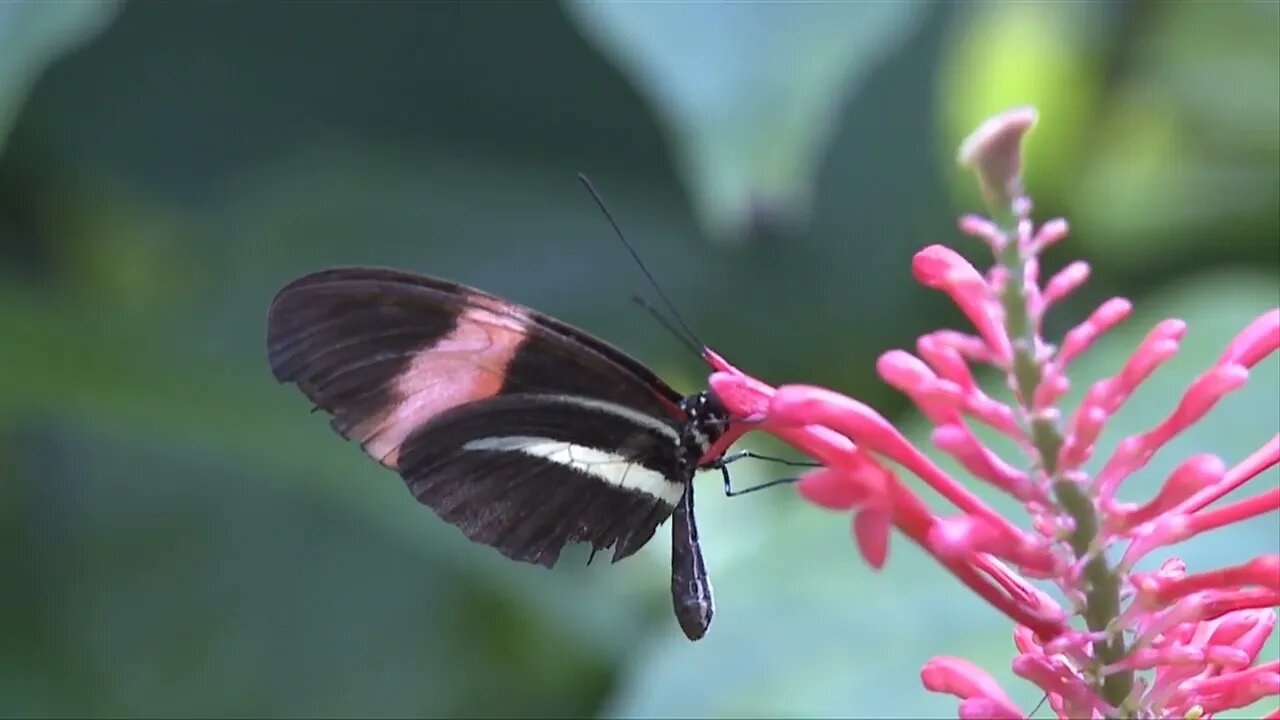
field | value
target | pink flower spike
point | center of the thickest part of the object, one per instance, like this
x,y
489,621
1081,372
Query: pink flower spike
x,y
1258,340
1065,281
959,442
942,268
1192,476
871,528
1082,336
961,678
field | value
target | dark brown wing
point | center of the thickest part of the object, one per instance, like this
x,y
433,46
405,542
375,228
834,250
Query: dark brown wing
x,y
384,350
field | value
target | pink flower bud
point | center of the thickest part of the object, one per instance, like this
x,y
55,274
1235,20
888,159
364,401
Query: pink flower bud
x,y
1158,346
1134,452
971,347
1056,678
987,709
1256,629
1192,476
961,678
946,361
1234,690
957,537
960,443
1050,233
871,528
1265,457
742,395
1079,338
1086,428
1258,340
1262,571
938,399
1052,387
831,489
985,230
1065,281
942,268
1107,395
1206,520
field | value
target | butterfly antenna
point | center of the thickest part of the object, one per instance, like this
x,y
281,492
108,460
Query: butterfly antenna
x,y
662,319
690,334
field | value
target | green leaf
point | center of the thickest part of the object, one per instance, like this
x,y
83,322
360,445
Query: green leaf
x,y
803,628
1004,55
1182,141
748,92
32,35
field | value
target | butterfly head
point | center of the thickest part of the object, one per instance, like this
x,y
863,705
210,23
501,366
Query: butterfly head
x,y
707,421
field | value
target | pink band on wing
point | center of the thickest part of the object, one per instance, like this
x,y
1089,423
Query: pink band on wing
x,y
466,365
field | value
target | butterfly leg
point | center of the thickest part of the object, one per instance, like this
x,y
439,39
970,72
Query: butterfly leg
x,y
730,492
743,454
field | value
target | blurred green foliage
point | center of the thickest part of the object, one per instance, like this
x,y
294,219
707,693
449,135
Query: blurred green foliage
x,y
178,535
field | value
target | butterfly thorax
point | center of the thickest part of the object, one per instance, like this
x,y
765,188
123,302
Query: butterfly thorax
x,y
707,420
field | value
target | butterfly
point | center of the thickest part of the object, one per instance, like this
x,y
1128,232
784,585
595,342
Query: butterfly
x,y
522,431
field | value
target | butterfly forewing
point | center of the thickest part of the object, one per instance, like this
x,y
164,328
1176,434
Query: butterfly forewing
x,y
524,432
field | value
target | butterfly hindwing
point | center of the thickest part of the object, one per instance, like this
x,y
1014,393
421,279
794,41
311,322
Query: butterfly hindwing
x,y
530,473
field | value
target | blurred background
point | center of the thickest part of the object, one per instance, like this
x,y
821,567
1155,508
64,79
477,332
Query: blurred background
x,y
179,535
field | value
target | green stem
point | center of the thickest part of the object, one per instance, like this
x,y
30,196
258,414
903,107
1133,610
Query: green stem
x,y
1102,584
